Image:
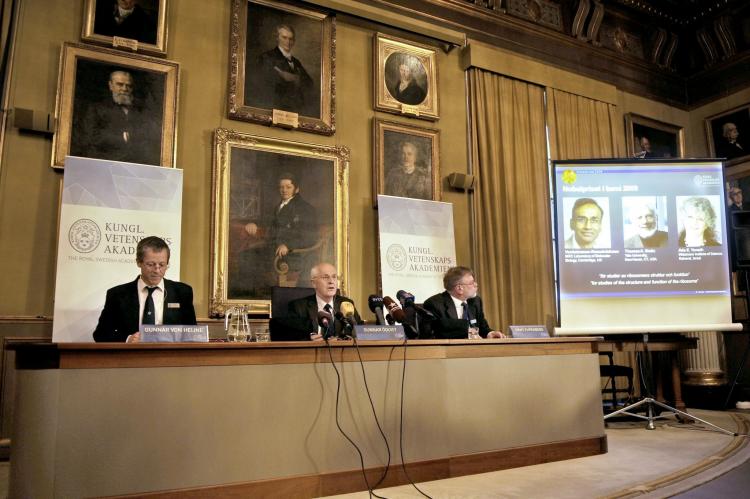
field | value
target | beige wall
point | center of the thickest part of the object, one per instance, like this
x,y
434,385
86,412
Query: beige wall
x,y
199,41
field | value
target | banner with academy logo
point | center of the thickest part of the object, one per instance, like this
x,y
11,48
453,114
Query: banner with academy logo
x,y
417,245
107,208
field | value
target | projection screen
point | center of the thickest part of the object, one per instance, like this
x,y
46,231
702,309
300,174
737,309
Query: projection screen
x,y
641,247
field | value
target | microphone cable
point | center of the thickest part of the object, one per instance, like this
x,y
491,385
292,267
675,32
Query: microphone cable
x,y
377,421
338,425
401,422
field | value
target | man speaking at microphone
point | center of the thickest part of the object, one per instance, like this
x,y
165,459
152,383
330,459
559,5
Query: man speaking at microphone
x,y
149,299
459,301
325,280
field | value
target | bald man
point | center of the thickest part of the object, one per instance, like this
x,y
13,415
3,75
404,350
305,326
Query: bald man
x,y
325,281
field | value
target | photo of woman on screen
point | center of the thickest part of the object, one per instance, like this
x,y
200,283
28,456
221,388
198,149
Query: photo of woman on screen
x,y
699,223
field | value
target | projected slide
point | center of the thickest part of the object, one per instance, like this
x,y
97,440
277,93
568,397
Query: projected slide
x,y
642,245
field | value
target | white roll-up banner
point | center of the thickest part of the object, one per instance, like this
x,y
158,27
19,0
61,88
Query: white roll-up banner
x,y
107,208
417,245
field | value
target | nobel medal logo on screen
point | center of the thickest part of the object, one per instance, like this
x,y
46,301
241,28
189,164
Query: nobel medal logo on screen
x,y
569,176
84,235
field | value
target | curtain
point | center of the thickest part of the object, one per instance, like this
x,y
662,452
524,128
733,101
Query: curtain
x,y
580,127
514,263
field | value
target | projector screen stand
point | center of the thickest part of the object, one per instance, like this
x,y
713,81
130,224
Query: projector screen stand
x,y
651,402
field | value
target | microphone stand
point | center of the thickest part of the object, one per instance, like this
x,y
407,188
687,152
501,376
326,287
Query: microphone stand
x,y
650,402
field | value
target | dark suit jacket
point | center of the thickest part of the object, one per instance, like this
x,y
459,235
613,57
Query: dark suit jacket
x,y
137,26
413,94
442,306
307,309
295,225
99,134
275,92
119,318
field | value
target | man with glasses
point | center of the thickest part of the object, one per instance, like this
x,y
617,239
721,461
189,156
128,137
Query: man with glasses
x,y
149,299
586,223
460,302
325,280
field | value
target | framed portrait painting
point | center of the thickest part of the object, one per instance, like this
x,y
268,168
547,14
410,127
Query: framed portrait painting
x,y
279,207
138,25
405,77
647,138
406,161
282,65
728,133
116,106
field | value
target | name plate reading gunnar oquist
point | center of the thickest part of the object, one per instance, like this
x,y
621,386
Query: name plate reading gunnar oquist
x,y
174,334
373,332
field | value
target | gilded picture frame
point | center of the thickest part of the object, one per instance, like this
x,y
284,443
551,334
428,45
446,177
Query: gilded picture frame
x,y
406,161
406,77
252,177
647,138
728,135
267,86
142,29
89,106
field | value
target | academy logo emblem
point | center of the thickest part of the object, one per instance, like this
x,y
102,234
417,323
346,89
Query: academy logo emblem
x,y
84,235
396,257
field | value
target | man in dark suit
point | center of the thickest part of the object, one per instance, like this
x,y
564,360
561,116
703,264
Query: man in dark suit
x,y
283,82
325,281
407,90
459,301
126,19
149,299
292,225
118,128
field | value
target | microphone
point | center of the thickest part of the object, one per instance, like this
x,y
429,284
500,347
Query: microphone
x,y
389,319
405,298
348,310
376,306
346,326
324,321
407,301
423,311
394,309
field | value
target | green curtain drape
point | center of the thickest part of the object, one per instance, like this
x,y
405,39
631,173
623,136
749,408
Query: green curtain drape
x,y
514,263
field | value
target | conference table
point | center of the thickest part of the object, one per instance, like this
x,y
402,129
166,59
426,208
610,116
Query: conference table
x,y
261,419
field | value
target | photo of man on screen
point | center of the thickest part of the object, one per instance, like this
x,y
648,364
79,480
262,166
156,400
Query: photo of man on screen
x,y
642,221
586,222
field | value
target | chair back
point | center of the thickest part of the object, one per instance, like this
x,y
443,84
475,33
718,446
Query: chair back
x,y
281,296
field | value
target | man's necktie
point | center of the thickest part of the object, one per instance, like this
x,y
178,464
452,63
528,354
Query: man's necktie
x,y
149,311
465,315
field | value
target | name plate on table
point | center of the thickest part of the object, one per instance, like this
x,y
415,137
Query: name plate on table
x,y
374,332
174,334
529,332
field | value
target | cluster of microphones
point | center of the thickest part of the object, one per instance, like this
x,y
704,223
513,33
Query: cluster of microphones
x,y
345,316
404,311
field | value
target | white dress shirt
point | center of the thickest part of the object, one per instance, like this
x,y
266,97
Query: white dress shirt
x,y
158,297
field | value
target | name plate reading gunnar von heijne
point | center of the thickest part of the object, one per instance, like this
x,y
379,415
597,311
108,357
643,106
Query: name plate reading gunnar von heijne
x,y
174,334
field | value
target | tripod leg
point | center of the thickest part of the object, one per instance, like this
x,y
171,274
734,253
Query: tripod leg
x,y
690,416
